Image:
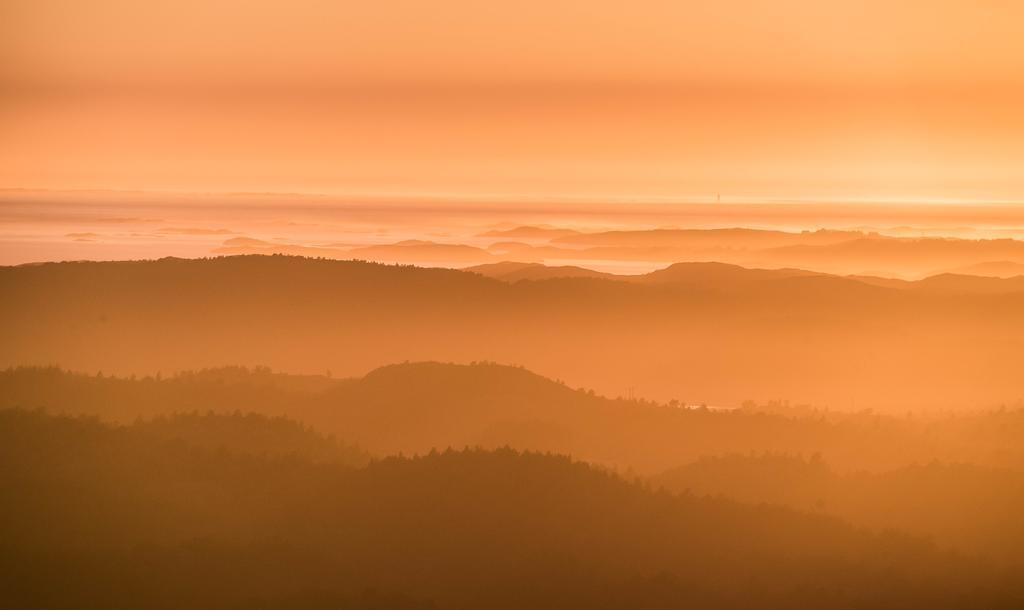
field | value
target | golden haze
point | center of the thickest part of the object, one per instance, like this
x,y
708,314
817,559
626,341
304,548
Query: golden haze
x,y
453,305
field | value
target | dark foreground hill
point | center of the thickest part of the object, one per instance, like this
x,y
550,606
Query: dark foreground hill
x,y
100,516
824,340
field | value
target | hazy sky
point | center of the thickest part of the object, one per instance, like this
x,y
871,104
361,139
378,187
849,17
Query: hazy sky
x,y
779,99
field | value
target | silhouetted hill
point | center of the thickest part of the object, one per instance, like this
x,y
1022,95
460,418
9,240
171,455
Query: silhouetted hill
x,y
823,251
1005,269
918,256
966,506
825,340
248,434
417,407
97,516
201,415
718,276
841,252
225,390
418,251
514,272
249,245
414,408
951,283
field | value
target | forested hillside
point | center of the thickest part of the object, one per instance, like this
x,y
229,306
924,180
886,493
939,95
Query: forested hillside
x,y
416,407
101,516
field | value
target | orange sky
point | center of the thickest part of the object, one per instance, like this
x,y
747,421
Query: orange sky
x,y
787,99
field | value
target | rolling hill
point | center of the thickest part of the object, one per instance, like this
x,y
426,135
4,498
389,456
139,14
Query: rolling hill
x,y
826,340
101,516
509,271
964,506
415,408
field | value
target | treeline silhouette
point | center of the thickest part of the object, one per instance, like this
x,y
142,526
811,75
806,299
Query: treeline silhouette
x,y
956,479
416,407
95,515
706,333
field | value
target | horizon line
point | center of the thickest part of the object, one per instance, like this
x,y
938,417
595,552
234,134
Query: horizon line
x,y
710,198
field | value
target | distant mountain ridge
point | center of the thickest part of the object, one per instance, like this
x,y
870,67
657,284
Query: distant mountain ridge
x,y
732,237
840,252
712,275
